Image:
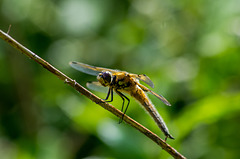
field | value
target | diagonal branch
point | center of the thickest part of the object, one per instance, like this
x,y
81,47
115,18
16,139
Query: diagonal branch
x,y
89,95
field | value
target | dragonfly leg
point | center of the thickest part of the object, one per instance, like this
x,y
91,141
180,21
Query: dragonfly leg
x,y
110,92
123,98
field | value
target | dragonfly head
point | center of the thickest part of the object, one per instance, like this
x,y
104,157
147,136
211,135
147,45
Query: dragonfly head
x,y
105,78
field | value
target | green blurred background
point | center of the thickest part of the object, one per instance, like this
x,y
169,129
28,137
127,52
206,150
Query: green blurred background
x,y
190,50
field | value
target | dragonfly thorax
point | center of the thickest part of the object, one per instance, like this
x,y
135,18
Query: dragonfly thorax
x,y
105,78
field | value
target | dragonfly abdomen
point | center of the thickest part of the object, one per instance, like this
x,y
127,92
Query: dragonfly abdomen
x,y
141,97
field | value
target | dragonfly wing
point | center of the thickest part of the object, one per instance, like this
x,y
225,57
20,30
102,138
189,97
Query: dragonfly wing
x,y
91,70
96,86
164,100
144,78
145,89
88,69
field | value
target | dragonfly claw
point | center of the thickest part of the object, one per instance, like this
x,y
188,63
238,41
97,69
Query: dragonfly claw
x,y
168,136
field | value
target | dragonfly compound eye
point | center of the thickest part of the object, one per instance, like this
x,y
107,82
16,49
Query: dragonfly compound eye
x,y
107,76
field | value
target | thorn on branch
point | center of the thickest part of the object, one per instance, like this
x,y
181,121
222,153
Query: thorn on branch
x,y
66,81
9,28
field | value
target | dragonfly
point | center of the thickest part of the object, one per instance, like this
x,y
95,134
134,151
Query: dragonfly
x,y
122,82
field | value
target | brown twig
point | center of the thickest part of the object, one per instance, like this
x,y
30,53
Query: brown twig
x,y
91,96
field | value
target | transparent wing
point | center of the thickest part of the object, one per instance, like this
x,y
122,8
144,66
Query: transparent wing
x,y
96,86
88,69
164,100
144,78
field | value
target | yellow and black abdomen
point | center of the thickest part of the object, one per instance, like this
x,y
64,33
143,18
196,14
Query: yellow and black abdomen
x,y
141,97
